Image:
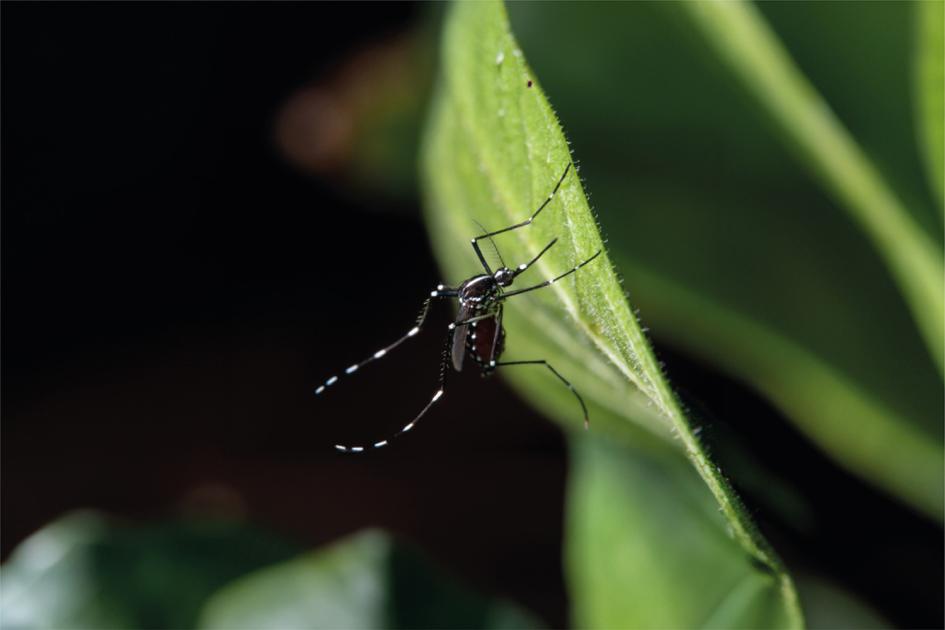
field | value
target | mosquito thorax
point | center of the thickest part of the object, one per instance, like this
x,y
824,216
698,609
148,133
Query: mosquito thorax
x,y
478,289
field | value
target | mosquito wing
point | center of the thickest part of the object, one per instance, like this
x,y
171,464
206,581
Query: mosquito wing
x,y
485,339
459,337
495,338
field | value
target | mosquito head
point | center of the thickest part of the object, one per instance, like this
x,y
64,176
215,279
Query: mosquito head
x,y
503,276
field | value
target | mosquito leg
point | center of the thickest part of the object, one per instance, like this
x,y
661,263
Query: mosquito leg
x,y
441,386
528,221
509,294
521,268
466,322
441,292
556,373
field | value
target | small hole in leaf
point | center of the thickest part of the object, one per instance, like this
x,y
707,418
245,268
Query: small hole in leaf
x,y
529,83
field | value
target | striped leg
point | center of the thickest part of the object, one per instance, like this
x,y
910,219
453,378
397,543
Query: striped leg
x,y
528,221
560,378
509,294
471,320
524,266
444,368
439,293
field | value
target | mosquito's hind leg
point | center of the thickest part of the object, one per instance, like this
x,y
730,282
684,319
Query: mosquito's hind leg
x,y
440,292
475,241
556,373
441,387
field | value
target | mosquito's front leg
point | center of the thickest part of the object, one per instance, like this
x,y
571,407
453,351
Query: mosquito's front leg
x,y
521,268
475,241
466,322
509,294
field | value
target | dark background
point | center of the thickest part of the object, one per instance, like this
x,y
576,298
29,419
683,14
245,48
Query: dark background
x,y
173,288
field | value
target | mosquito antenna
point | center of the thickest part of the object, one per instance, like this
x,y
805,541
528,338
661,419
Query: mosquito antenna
x,y
491,242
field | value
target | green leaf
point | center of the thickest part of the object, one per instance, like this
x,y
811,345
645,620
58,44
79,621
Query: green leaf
x,y
741,38
82,572
493,152
648,549
930,91
861,430
724,240
365,581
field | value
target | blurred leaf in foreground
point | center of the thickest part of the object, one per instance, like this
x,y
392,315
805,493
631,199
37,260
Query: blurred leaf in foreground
x,y
83,572
365,581
647,548
492,154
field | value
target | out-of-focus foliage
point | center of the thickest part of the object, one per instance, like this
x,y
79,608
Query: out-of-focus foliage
x,y
365,581
729,245
647,548
930,92
742,40
358,127
84,572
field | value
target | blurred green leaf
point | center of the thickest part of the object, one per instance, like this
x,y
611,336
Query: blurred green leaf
x,y
725,242
647,548
365,581
930,91
741,39
82,572
493,152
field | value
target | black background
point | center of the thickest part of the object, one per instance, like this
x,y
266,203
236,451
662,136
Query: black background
x,y
173,288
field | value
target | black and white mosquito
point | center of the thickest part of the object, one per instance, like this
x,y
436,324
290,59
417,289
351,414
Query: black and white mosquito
x,y
477,332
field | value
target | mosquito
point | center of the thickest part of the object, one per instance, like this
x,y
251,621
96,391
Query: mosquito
x,y
477,332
